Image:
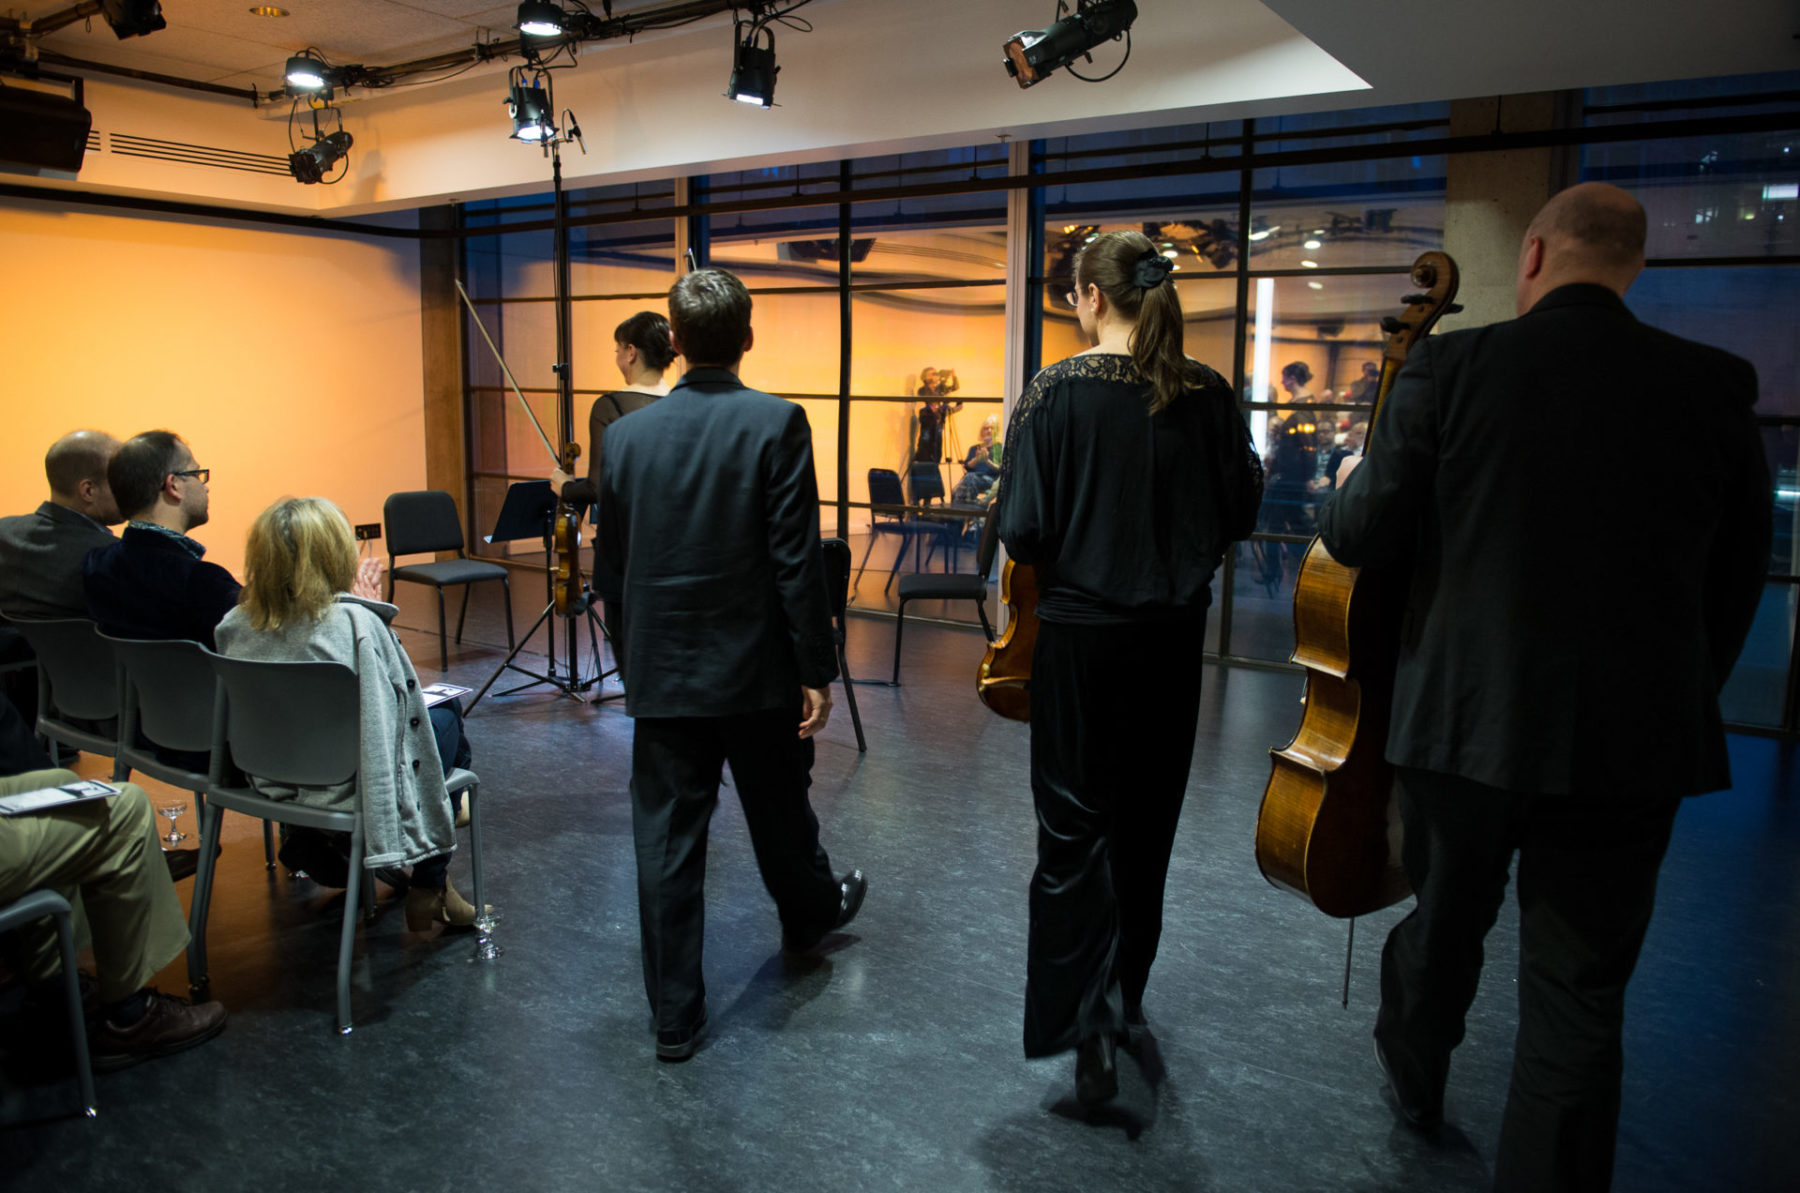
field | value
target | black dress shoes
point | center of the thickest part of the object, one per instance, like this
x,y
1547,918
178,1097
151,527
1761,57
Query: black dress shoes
x,y
851,889
1097,1070
1421,1110
681,1043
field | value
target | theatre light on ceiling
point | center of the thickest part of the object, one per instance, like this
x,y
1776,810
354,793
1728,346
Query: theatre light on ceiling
x,y
529,104
1032,55
540,18
132,18
308,71
316,160
753,68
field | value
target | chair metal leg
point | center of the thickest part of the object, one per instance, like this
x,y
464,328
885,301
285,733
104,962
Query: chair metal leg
x,y
347,934
474,806
200,903
268,845
506,589
443,642
899,629
463,615
65,936
981,612
862,743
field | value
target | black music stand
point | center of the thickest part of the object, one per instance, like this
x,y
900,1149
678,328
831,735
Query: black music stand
x,y
529,511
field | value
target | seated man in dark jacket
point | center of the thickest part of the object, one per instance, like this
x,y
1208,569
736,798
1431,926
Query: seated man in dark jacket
x,y
154,582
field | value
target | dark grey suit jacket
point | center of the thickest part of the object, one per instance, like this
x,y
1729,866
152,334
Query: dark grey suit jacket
x,y
1576,605
710,510
41,556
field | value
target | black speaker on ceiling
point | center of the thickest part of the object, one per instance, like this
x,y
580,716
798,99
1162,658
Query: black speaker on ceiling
x,y
41,131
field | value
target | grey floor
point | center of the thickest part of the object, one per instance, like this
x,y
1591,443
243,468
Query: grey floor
x,y
892,1061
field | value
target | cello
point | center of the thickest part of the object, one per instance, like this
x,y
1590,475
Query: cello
x,y
1329,828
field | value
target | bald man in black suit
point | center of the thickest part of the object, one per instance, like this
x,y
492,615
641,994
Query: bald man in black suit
x,y
1543,705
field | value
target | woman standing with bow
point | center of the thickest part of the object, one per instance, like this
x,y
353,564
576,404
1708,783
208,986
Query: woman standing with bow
x,y
1128,471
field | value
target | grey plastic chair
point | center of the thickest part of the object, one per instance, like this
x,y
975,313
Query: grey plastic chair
x,y
168,703
426,520
951,586
296,724
837,586
35,906
78,677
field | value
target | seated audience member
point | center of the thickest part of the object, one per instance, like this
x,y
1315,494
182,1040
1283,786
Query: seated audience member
x,y
154,582
41,553
305,598
105,852
981,465
19,747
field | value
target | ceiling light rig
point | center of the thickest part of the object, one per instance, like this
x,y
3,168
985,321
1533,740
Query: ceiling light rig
x,y
531,102
1033,54
753,68
324,150
132,18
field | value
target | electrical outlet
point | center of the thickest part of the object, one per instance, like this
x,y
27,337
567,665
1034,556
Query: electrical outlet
x,y
368,531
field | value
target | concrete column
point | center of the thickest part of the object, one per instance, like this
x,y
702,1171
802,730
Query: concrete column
x,y
1490,198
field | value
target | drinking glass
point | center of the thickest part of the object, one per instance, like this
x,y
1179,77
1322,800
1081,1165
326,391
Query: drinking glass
x,y
173,810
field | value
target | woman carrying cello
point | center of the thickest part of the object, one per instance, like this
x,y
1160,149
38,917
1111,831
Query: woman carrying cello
x,y
1127,474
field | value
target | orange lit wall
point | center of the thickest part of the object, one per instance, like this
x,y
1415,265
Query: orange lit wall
x,y
289,360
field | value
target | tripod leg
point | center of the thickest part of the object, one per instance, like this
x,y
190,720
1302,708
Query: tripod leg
x,y
548,609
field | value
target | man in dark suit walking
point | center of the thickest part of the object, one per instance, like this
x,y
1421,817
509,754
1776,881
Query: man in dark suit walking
x,y
708,507
1545,705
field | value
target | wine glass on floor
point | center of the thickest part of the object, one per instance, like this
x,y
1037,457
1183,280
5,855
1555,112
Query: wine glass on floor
x,y
173,810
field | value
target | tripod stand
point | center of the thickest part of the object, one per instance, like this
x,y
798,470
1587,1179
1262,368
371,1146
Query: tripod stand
x,y
529,509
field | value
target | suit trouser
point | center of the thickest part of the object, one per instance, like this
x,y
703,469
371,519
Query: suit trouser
x,y
675,769
107,851
1113,714
1586,888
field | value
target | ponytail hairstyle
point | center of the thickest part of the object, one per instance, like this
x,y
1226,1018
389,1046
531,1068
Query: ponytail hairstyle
x,y
1134,276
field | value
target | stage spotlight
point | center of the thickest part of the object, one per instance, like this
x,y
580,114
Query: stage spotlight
x,y
316,160
540,18
753,68
1034,53
132,18
308,72
530,108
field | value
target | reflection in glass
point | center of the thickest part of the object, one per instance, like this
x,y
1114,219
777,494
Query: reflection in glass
x,y
1747,310
1756,691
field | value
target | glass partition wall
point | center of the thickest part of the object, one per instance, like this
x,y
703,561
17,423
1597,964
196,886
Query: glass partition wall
x,y
880,289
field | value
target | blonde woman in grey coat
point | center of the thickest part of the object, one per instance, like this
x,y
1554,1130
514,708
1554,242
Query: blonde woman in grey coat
x,y
306,599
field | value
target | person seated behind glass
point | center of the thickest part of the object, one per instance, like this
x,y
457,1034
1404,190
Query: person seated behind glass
x,y
981,465
305,598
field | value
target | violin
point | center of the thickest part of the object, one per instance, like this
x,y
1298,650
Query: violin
x,y
566,585
1003,681
1329,827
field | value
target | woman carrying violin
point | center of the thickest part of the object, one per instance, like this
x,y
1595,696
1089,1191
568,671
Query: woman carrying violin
x,y
1127,473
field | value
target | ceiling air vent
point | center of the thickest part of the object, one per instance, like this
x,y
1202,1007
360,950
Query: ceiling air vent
x,y
198,155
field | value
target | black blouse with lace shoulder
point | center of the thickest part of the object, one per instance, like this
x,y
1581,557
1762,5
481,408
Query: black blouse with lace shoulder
x,y
1124,514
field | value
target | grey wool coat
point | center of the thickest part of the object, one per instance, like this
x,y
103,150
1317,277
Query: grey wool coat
x,y
399,789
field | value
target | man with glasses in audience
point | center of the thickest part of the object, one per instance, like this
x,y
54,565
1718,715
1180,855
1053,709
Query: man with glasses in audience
x,y
155,581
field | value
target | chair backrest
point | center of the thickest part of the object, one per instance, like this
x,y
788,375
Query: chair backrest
x,y
79,665
297,724
173,683
837,575
990,546
421,520
884,488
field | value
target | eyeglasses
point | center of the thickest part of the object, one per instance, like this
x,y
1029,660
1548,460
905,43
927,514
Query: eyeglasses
x,y
203,475
1072,298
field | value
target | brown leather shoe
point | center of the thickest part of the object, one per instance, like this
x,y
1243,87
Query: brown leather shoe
x,y
425,908
169,1025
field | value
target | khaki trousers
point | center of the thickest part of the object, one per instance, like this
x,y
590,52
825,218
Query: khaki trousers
x,y
105,852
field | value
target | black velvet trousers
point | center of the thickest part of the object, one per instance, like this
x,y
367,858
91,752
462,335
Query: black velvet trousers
x,y
1587,885
1113,713
675,769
